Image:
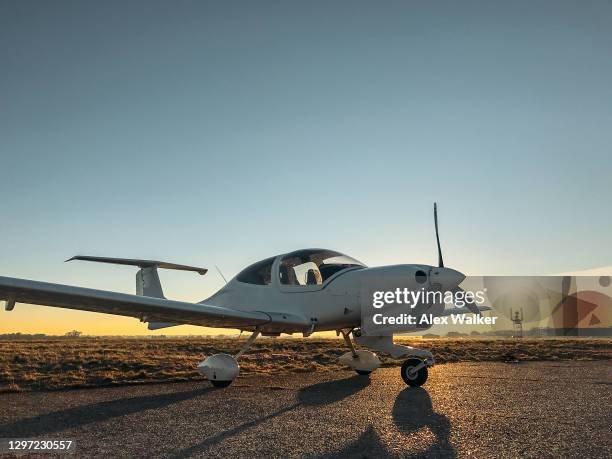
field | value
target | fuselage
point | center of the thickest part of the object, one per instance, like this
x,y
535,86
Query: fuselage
x,y
324,296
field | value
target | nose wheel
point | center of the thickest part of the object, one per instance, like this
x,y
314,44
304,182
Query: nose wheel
x,y
414,372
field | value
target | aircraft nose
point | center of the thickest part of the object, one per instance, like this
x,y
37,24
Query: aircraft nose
x,y
447,278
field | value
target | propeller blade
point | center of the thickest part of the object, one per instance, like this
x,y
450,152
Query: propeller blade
x,y
470,305
440,261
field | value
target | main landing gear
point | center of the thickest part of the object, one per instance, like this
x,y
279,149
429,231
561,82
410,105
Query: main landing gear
x,y
362,361
222,369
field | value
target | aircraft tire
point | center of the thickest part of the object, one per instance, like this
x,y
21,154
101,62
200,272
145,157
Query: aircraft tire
x,y
413,380
363,372
220,384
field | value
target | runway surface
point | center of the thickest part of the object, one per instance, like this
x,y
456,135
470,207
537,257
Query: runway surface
x,y
464,410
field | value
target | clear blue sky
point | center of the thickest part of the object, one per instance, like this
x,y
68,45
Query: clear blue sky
x,y
222,132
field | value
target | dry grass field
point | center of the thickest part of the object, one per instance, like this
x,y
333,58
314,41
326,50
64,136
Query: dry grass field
x,y
92,362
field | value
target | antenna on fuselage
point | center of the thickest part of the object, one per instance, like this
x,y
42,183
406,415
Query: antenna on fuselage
x,y
221,274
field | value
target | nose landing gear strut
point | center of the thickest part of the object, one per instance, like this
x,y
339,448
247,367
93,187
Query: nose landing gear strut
x,y
414,370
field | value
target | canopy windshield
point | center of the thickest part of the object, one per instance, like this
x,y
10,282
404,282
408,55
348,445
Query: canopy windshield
x,y
313,266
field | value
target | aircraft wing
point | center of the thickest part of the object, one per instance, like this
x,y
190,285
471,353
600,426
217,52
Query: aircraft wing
x,y
145,308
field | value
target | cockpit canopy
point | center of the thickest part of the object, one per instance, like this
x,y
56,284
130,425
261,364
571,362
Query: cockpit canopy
x,y
259,273
303,267
313,266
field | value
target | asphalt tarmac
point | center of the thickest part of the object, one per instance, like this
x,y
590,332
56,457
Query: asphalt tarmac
x,y
464,410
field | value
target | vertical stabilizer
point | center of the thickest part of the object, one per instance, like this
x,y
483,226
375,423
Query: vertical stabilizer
x,y
148,284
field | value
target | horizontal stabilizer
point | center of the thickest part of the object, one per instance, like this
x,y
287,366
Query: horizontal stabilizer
x,y
141,263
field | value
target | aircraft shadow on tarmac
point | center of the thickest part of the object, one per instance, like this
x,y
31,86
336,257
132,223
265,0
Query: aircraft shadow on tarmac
x,y
316,395
412,411
329,392
77,416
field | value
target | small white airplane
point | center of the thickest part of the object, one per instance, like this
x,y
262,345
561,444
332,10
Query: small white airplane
x,y
305,291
